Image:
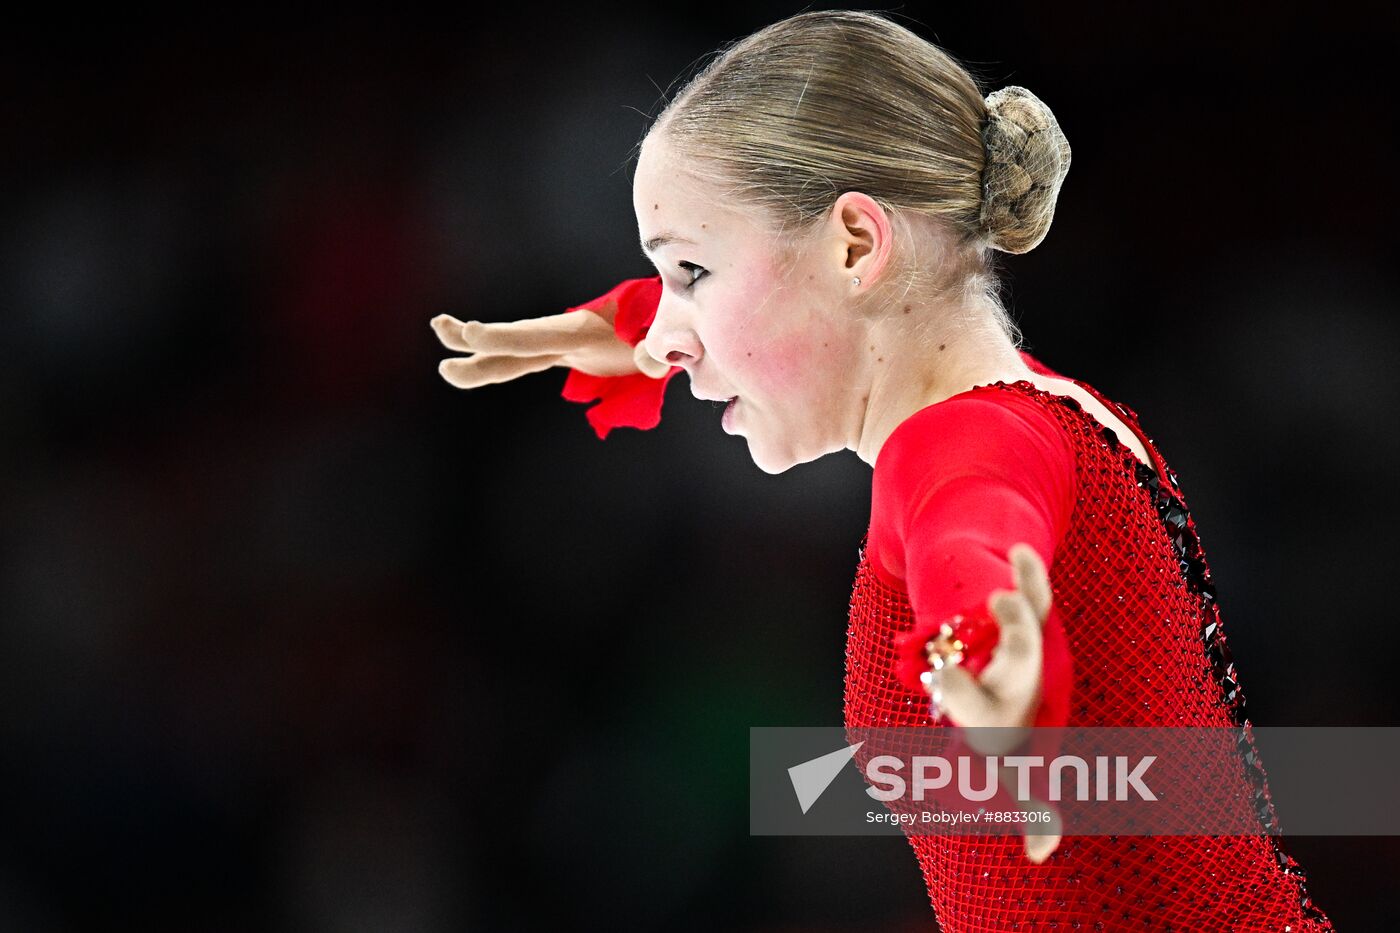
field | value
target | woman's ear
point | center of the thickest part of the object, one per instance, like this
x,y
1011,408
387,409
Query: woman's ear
x,y
862,236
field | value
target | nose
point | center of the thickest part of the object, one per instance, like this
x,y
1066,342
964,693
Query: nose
x,y
671,339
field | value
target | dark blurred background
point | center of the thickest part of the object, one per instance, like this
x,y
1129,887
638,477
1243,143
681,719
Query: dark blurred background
x,y
297,637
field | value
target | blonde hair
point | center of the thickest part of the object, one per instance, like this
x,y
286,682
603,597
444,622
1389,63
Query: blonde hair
x,y
824,102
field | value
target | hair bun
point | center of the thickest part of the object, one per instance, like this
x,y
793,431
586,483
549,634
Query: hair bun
x,y
1027,158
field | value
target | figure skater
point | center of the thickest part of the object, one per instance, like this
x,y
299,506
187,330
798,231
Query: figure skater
x,y
822,202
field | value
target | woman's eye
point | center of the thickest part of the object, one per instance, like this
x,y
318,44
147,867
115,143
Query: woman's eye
x,y
692,268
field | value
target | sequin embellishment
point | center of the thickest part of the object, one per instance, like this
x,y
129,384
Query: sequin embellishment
x,y
1139,607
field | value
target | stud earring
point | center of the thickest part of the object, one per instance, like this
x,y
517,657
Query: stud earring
x,y
855,280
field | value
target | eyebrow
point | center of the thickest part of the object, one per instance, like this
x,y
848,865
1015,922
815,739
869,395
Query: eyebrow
x,y
663,239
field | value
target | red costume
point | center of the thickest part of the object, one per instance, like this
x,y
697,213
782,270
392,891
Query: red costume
x,y
1134,638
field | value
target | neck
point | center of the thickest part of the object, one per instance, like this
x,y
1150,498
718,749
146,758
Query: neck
x,y
958,358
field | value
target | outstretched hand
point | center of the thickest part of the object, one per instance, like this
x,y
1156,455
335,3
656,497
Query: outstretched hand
x,y
580,339
1007,694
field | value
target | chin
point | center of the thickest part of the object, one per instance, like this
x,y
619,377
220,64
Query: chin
x,y
773,461
773,469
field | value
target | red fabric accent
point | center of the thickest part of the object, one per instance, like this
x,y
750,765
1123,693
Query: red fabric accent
x,y
974,626
633,400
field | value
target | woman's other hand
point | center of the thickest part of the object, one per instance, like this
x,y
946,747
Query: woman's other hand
x,y
1007,693
580,339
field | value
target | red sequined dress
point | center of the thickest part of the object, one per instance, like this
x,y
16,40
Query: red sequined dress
x,y
1134,638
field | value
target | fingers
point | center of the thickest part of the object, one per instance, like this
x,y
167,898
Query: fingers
x,y
449,331
556,333
1020,627
1046,819
649,364
1031,578
474,371
1008,679
1013,674
1040,846
1003,697
965,699
1006,692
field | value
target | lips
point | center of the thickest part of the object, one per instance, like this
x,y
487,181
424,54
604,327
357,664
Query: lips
x,y
727,419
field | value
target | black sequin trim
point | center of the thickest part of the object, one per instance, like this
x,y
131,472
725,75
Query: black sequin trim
x,y
1185,542
1181,531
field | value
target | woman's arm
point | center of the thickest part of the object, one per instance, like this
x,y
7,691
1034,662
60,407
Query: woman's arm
x,y
970,487
957,485
601,348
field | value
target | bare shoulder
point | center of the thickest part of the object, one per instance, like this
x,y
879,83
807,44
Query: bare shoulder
x,y
1093,406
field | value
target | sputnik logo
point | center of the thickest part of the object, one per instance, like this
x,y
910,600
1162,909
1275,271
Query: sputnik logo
x,y
811,778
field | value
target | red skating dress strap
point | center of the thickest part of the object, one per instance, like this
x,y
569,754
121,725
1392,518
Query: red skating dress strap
x,y
1135,639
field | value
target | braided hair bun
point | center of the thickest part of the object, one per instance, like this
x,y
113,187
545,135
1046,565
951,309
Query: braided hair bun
x,y
1027,158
